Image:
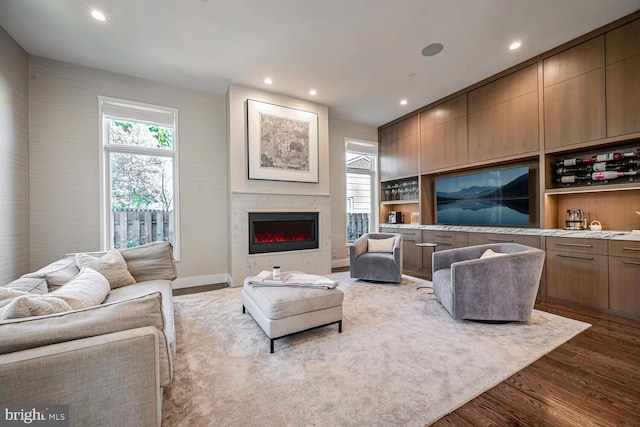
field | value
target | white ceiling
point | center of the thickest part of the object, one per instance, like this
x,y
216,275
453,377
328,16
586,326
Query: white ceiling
x,y
358,54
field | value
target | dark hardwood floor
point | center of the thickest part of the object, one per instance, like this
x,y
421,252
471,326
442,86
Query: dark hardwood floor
x,y
592,380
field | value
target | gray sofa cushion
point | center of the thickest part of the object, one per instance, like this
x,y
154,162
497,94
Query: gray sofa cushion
x,y
145,288
57,273
23,334
152,261
31,285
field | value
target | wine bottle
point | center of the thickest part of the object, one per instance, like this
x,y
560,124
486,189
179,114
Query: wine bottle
x,y
614,156
600,176
572,170
570,179
572,162
623,165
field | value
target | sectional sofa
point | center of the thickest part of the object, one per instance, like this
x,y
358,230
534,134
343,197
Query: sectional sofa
x,y
109,362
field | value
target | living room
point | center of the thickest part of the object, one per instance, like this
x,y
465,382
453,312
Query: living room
x,y
51,155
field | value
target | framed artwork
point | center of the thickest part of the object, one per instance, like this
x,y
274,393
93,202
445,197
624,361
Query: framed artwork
x,y
283,143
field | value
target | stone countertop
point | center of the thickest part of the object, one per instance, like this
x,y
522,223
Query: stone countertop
x,y
583,234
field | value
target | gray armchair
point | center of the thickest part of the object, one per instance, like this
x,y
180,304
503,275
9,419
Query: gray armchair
x,y
376,266
501,288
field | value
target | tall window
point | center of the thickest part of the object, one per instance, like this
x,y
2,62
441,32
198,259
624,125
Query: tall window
x,y
362,212
139,173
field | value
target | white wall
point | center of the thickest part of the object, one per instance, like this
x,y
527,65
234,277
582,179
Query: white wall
x,y
338,131
247,195
64,147
14,159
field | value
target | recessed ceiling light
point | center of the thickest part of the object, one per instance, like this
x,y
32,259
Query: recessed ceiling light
x,y
98,15
268,81
312,92
403,102
514,45
432,49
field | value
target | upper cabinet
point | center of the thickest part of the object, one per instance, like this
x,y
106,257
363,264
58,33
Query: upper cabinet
x,y
399,149
623,79
574,95
443,135
503,116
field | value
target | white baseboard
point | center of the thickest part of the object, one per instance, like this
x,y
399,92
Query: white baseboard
x,y
337,263
209,279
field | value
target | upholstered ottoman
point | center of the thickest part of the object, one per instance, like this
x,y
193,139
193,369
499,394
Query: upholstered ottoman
x,y
285,310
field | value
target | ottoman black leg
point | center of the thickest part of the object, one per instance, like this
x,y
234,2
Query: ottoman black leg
x,y
272,340
340,326
243,310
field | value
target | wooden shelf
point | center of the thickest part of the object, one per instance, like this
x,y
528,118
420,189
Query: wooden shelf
x,y
593,188
399,202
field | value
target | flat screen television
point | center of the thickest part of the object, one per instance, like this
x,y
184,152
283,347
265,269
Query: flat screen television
x,y
498,197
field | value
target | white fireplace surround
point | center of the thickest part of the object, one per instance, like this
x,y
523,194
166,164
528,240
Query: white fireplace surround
x,y
243,264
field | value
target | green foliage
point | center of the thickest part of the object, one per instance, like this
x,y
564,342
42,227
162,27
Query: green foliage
x,y
140,181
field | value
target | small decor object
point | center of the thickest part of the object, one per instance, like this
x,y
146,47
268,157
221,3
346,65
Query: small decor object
x,y
282,143
595,225
276,273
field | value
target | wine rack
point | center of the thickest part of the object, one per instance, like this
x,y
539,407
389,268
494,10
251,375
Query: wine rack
x,y
400,190
603,168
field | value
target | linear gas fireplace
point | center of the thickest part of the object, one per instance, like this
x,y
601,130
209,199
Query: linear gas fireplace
x,y
282,231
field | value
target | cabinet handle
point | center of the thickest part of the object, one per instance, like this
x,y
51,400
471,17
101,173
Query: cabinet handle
x,y
409,240
576,257
501,240
631,262
578,245
624,248
444,235
445,244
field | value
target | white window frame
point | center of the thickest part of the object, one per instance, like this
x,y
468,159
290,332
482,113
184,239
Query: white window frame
x,y
139,112
369,148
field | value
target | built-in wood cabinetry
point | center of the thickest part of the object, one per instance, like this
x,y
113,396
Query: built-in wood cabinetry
x,y
624,277
575,101
578,271
411,254
623,79
503,116
443,135
574,95
399,149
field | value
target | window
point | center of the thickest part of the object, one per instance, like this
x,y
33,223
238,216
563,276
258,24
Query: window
x,y
362,212
139,174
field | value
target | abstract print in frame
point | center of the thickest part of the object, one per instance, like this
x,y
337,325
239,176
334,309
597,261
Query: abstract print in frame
x,y
283,143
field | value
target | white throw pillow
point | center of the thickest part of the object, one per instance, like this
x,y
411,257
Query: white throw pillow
x,y
381,245
111,265
89,288
491,254
16,304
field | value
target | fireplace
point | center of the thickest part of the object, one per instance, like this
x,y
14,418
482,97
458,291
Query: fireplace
x,y
282,231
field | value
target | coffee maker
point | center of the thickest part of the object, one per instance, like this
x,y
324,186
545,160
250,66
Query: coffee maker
x,y
395,217
575,220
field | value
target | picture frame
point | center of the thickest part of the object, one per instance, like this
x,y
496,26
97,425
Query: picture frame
x,y
282,143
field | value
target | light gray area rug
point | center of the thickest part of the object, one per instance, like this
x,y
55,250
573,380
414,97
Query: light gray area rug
x,y
401,360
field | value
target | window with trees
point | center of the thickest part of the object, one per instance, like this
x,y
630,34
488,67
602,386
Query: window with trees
x,y
139,172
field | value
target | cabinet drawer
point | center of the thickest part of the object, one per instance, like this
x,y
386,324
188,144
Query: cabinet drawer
x,y
624,248
411,235
584,246
484,238
432,236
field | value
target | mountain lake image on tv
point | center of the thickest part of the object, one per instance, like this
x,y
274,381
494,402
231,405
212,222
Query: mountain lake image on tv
x,y
499,197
